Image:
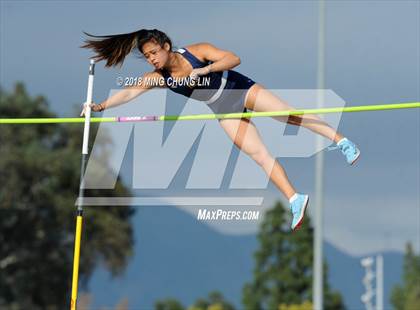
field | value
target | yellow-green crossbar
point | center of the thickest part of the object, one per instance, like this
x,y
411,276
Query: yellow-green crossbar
x,y
364,108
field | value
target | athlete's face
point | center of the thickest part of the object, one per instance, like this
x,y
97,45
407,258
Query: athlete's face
x,y
156,55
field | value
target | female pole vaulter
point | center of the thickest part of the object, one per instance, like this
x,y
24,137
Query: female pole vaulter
x,y
200,61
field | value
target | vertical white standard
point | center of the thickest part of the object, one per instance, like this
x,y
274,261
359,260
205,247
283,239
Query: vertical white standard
x,y
318,278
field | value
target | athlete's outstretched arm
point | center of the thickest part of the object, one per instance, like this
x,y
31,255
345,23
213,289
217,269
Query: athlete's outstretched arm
x,y
221,59
128,93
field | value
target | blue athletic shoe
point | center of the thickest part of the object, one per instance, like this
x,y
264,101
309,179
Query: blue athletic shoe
x,y
298,207
349,149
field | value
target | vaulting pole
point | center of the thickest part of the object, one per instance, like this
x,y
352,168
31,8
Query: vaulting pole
x,y
79,213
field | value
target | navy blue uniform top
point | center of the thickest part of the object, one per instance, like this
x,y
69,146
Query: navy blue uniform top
x,y
214,93
214,78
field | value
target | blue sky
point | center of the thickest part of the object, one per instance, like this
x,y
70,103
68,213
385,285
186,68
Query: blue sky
x,y
372,57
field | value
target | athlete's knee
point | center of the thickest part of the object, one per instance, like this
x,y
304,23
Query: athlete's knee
x,y
261,157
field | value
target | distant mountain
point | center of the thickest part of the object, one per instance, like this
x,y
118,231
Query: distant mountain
x,y
176,256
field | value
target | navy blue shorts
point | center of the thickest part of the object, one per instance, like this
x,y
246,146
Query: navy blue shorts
x,y
232,99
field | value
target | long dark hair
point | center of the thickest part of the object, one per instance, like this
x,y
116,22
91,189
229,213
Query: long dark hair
x,y
114,48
